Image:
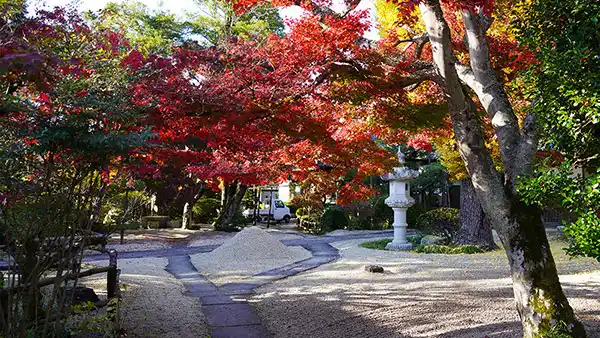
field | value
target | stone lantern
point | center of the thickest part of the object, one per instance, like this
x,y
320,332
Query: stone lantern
x,y
400,200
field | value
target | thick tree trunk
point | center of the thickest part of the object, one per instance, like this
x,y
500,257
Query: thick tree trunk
x,y
475,228
539,297
231,202
541,302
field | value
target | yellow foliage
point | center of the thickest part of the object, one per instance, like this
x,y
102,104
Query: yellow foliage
x,y
387,17
450,158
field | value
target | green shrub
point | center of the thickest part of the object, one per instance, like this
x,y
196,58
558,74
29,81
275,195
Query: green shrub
x,y
205,210
442,222
378,244
413,213
332,219
293,208
310,224
584,236
300,212
415,240
237,223
383,216
381,243
446,249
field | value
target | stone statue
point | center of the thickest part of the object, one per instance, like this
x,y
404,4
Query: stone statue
x,y
401,156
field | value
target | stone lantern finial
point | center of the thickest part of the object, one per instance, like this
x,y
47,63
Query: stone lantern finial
x,y
401,156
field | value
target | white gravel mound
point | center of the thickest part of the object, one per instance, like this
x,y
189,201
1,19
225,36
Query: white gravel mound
x,y
254,243
249,252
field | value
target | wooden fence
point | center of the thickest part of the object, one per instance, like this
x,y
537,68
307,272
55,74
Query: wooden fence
x,y
113,293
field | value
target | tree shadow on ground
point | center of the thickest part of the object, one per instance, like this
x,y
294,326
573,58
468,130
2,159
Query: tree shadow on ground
x,y
337,304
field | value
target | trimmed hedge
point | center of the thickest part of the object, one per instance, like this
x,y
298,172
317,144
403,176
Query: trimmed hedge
x,y
442,222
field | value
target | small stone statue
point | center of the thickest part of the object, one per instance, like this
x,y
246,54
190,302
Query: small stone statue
x,y
401,156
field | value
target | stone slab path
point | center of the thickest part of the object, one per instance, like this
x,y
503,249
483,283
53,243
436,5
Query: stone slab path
x,y
225,308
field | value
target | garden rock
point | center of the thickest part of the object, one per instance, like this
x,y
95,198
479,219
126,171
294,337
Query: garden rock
x,y
81,294
430,240
374,268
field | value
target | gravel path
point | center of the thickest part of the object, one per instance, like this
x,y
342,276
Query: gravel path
x,y
419,296
153,301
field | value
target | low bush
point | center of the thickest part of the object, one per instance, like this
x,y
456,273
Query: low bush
x,y
237,223
381,243
310,224
442,222
413,213
446,249
293,208
332,219
300,212
415,240
383,215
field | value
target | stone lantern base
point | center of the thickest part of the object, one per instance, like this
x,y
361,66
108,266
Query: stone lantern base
x,y
399,246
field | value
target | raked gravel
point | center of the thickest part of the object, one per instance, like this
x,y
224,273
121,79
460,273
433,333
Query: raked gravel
x,y
249,252
153,301
419,295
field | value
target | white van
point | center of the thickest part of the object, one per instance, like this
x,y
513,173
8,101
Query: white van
x,y
278,212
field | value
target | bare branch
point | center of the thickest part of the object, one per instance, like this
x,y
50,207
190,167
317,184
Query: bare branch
x,y
423,37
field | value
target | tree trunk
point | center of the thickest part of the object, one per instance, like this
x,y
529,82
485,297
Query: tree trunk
x,y
188,207
186,220
475,228
231,202
541,303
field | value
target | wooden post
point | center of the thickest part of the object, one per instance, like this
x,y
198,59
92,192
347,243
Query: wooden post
x,y
111,275
122,236
4,308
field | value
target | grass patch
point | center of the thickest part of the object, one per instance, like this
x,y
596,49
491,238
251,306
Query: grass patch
x,y
378,244
430,248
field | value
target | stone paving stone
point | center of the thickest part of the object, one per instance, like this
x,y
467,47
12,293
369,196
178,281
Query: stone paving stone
x,y
245,331
230,314
221,299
